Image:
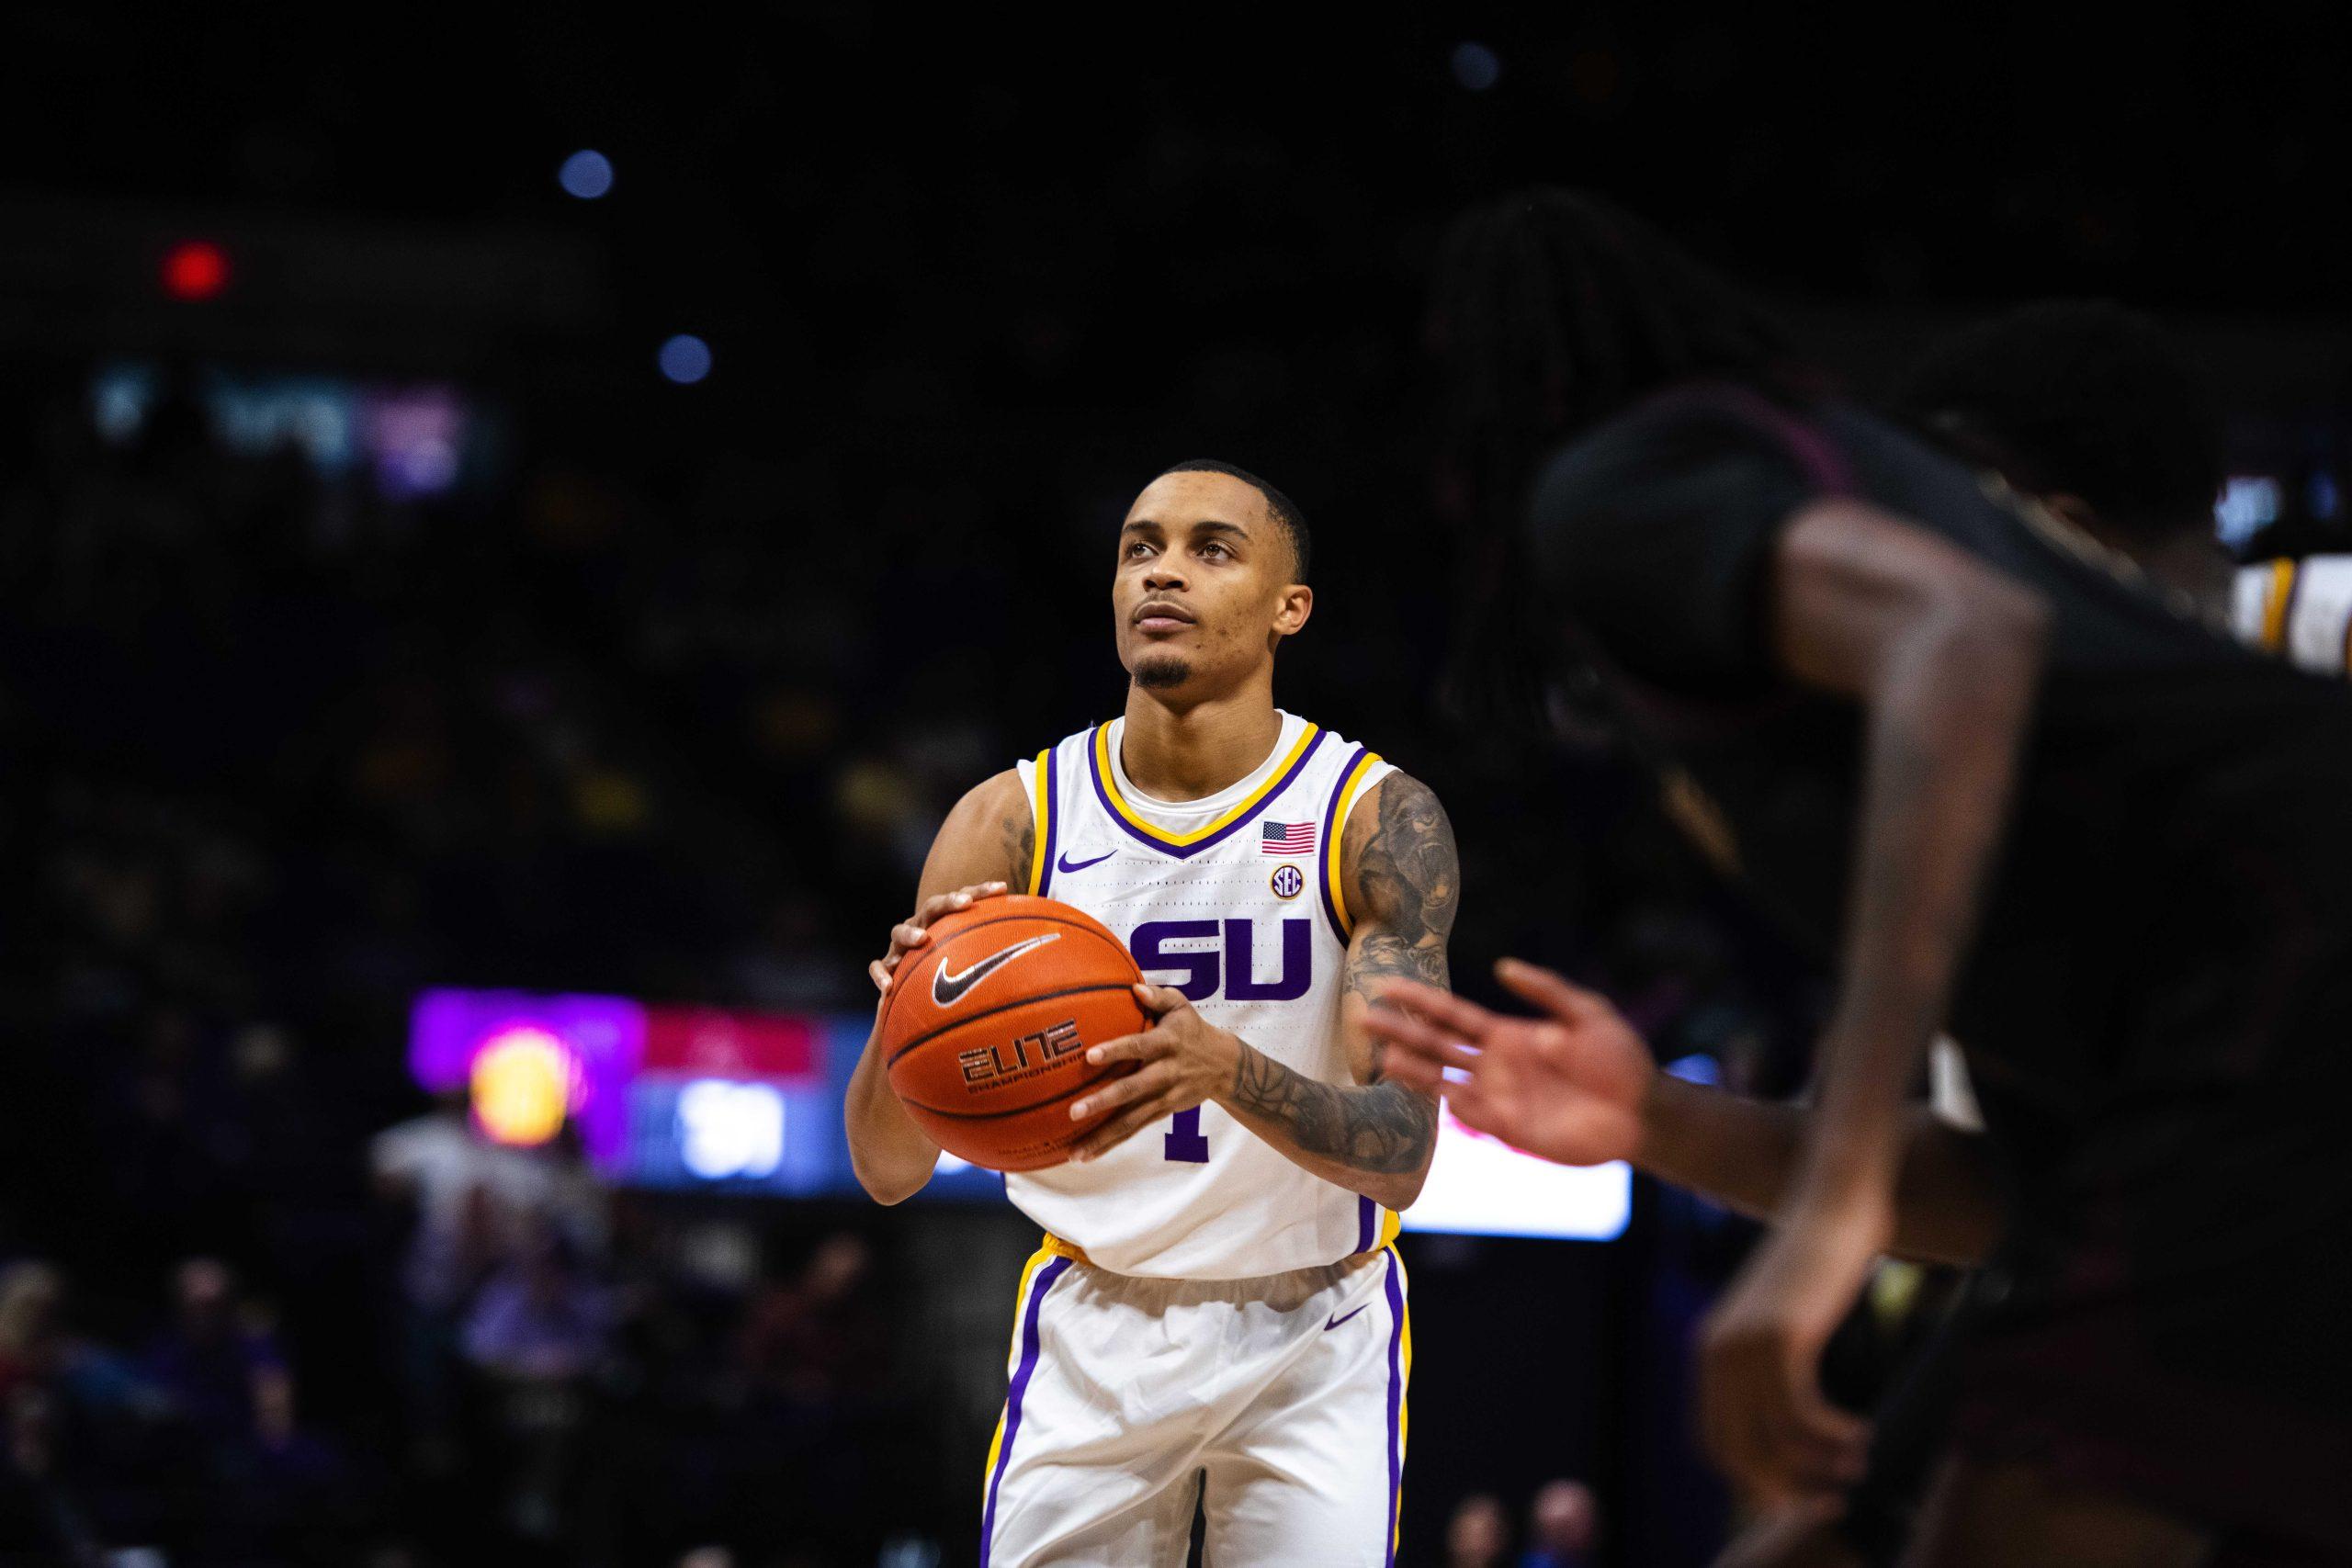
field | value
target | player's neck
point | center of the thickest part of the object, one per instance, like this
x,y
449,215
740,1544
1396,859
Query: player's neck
x,y
1173,751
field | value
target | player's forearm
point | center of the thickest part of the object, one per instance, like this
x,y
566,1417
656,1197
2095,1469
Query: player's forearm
x,y
1375,1139
1944,656
892,1157
1743,1153
1945,732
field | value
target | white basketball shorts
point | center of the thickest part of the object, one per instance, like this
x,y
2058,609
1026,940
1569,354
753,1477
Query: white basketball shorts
x,y
1278,1403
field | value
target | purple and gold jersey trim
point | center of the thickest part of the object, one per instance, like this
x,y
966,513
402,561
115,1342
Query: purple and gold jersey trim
x,y
1041,863
1185,845
1335,829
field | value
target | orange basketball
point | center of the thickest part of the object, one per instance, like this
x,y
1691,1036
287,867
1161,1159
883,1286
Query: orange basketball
x,y
986,1030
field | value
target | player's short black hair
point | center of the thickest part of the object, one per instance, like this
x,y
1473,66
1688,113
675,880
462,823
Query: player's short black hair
x,y
1285,511
2081,397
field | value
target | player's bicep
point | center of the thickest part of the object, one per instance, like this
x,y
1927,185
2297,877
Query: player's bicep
x,y
1403,875
990,836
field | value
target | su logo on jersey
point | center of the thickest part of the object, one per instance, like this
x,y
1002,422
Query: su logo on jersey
x,y
1229,963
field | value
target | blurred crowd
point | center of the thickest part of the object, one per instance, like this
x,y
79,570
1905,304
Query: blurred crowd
x,y
283,752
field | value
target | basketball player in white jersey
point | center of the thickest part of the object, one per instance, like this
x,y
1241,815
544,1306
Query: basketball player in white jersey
x,y
1218,1312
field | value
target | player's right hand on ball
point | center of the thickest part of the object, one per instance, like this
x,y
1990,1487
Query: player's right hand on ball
x,y
915,930
1569,1086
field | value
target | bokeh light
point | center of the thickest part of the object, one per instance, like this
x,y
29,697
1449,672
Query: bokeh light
x,y
523,1081
685,359
196,269
586,175
1475,66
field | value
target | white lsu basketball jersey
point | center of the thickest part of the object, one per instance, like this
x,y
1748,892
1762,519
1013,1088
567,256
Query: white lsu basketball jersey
x,y
1236,901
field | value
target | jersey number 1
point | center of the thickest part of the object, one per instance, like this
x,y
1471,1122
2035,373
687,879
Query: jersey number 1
x,y
1185,1141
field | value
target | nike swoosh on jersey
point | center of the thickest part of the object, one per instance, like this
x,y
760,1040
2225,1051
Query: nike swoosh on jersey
x,y
1064,864
1337,1321
945,988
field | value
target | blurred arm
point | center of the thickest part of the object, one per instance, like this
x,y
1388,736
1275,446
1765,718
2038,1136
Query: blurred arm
x,y
1742,1153
1944,655
990,837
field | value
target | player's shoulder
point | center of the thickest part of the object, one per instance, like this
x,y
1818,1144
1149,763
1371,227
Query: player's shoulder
x,y
1399,800
1398,855
987,835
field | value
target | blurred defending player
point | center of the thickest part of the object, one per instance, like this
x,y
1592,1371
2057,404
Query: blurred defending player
x,y
1892,691
1217,1313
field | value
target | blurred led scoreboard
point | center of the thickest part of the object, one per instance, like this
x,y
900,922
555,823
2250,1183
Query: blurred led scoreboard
x,y
697,1098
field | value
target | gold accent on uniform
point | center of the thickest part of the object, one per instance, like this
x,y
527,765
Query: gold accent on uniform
x,y
1044,818
1335,833
1110,777
2275,603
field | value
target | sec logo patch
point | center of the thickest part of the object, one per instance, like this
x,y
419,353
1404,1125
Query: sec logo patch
x,y
1288,882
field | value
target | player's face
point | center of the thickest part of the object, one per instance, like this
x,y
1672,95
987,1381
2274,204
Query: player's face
x,y
1202,592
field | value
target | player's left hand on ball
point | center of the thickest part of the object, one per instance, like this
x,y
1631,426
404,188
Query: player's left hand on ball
x,y
1186,1060
1762,1416
1569,1087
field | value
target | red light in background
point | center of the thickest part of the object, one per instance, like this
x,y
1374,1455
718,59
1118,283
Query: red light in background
x,y
195,269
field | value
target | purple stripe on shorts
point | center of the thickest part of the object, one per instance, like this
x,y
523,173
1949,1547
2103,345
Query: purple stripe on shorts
x,y
1044,1282
1395,1402
1366,1209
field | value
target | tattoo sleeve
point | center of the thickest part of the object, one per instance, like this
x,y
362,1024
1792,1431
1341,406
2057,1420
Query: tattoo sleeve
x,y
1408,880
1381,1127
1405,881
1020,831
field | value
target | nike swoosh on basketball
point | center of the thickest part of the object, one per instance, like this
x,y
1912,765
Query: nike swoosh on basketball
x,y
945,988
1064,862
1337,1321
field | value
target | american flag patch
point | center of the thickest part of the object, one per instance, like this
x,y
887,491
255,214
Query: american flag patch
x,y
1287,838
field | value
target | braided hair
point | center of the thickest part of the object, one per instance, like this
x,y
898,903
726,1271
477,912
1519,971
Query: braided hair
x,y
1553,311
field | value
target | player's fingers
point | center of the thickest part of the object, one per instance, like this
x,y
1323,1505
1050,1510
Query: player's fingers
x,y
1466,1019
980,890
1549,990
1137,1085
1160,1000
907,934
881,976
1400,1063
1148,1046
1418,1038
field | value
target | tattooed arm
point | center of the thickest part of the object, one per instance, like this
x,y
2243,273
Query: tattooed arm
x,y
1403,878
983,849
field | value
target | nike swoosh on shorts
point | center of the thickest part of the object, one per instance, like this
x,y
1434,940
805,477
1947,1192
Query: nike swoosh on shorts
x,y
945,988
1337,1321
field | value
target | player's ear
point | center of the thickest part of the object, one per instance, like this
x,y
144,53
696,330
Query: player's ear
x,y
1291,610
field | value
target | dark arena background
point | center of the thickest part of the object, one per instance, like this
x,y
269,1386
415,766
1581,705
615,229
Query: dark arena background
x,y
518,523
